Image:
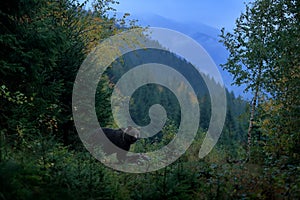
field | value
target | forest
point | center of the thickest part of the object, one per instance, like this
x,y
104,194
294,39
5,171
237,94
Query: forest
x,y
43,44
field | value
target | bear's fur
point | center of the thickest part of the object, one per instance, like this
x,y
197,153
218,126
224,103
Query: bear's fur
x,y
121,138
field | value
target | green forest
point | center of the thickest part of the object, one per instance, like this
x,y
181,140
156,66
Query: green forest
x,y
43,44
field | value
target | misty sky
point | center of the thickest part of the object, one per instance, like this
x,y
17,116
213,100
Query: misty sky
x,y
216,13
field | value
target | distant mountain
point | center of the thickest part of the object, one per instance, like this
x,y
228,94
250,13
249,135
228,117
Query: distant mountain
x,y
205,35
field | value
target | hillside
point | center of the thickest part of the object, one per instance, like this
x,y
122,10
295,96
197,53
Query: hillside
x,y
205,35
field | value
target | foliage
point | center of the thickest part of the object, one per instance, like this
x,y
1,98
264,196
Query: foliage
x,y
264,55
43,44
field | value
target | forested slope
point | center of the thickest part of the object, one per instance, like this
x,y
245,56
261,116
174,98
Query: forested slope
x,y
43,44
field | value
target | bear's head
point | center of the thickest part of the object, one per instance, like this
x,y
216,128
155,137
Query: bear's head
x,y
131,134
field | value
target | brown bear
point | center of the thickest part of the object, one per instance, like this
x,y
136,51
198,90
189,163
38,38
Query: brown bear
x,y
121,139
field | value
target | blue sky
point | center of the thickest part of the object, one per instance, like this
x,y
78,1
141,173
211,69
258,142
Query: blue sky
x,y
216,13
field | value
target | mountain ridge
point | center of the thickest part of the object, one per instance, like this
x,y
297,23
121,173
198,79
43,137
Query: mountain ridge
x,y
207,36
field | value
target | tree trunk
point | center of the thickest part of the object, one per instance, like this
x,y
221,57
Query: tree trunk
x,y
252,113
249,134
